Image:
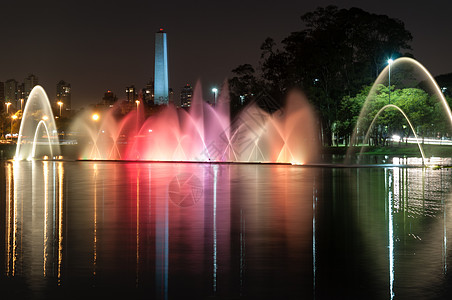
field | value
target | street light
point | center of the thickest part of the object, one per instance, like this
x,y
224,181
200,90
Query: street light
x,y
60,104
214,91
137,102
95,117
7,106
390,61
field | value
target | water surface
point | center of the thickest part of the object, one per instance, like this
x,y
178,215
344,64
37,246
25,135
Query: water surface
x,y
169,231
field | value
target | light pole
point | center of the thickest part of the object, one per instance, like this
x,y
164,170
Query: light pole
x,y
60,104
389,78
7,106
138,118
214,91
389,82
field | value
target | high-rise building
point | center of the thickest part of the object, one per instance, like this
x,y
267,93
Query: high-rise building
x,y
161,69
2,92
20,98
29,83
109,99
11,91
63,95
148,93
186,95
131,93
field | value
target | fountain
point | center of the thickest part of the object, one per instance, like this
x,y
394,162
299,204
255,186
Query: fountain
x,y
203,133
38,136
406,118
412,74
217,229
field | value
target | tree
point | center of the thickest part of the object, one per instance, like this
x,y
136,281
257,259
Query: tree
x,y
349,110
242,87
275,66
424,111
337,52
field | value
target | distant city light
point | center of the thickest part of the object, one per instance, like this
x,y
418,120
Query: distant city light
x,y
95,117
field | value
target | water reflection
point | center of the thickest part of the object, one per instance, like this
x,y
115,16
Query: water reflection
x,y
390,232
173,230
34,220
417,203
314,205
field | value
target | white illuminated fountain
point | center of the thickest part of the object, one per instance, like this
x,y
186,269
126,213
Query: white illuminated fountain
x,y
416,74
38,136
389,106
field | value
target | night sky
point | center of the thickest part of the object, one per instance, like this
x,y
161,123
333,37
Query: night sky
x,y
108,45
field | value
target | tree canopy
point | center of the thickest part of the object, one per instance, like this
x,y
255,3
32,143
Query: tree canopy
x,y
337,52
424,111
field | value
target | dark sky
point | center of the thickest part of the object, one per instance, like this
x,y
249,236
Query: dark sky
x,y
108,45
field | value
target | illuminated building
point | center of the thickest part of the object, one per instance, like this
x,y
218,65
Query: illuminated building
x,y
21,96
131,93
148,93
109,99
186,95
11,91
29,83
161,69
63,94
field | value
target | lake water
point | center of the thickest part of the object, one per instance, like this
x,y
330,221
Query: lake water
x,y
196,231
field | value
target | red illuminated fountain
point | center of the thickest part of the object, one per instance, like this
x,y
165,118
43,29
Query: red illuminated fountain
x,y
204,133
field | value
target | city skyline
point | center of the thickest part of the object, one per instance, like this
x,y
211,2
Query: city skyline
x,y
96,50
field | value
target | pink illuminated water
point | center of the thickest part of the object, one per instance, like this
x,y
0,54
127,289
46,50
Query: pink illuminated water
x,y
223,231
204,133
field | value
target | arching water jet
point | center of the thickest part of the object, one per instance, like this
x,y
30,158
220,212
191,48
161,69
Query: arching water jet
x,y
37,111
41,123
406,118
425,77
